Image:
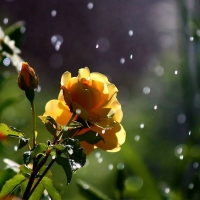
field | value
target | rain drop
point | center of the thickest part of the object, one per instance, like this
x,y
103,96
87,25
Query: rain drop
x,y
181,157
146,90
130,32
180,151
103,131
141,125
90,5
159,71
38,89
110,167
122,60
137,138
190,186
22,29
15,148
85,186
56,41
131,56
176,72
100,160
191,38
6,61
103,44
78,112
181,118
120,166
53,13
196,165
189,133
167,190
5,20
97,154
155,107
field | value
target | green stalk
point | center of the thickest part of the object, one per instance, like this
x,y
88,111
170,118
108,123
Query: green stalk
x,y
34,123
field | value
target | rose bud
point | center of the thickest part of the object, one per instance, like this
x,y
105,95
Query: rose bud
x,y
27,78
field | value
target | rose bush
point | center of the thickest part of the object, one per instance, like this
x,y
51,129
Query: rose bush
x,y
94,99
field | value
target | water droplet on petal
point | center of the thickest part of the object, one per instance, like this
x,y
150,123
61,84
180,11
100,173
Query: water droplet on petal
x,y
90,5
103,131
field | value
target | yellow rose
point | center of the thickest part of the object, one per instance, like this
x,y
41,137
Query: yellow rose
x,y
93,98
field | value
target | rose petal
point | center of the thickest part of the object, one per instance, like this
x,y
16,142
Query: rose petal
x,y
58,111
65,79
99,77
83,73
112,138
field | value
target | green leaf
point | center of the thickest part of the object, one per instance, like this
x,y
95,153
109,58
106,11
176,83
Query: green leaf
x,y
64,162
22,142
90,192
10,131
29,155
50,124
25,170
12,184
74,125
77,156
48,184
39,149
90,137
60,147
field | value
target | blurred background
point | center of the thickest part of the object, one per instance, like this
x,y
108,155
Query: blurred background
x,y
150,50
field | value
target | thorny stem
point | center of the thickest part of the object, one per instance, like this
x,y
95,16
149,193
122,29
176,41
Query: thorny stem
x,y
28,192
33,174
38,181
34,123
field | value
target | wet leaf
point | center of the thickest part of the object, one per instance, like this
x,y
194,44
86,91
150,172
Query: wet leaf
x,y
91,137
29,155
90,192
22,142
50,124
25,170
12,184
77,156
10,131
64,162
48,174
74,125
48,184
